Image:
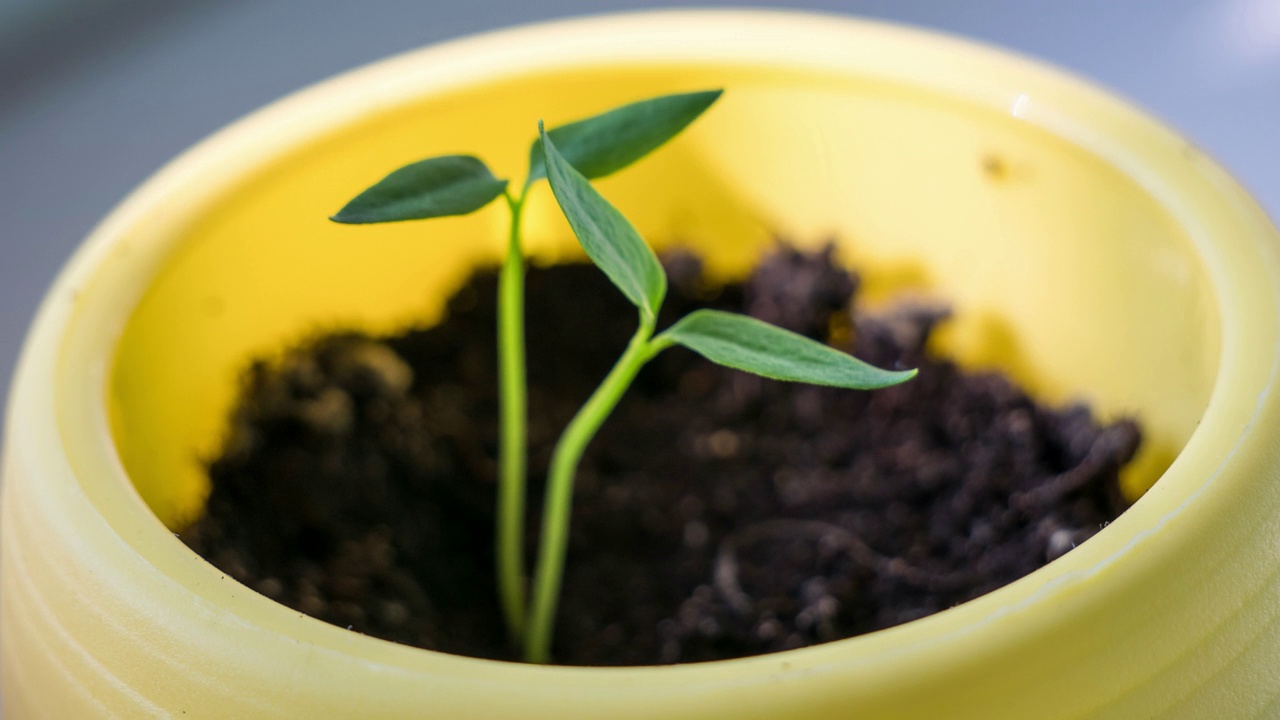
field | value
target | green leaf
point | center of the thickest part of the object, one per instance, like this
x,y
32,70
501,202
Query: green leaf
x,y
744,343
606,143
610,241
436,187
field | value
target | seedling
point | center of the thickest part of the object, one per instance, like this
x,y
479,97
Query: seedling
x,y
462,184
568,157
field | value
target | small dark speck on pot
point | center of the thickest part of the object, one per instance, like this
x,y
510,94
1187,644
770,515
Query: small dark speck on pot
x,y
994,167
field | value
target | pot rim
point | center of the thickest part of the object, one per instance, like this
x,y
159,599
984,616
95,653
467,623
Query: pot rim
x,y
1205,202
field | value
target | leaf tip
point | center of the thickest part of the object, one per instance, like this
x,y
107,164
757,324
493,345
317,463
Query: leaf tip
x,y
897,377
705,98
342,217
540,143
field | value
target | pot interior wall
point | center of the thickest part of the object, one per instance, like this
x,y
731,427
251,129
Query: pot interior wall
x,y
1061,269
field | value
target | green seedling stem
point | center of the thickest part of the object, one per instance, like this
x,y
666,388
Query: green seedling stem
x,y
513,438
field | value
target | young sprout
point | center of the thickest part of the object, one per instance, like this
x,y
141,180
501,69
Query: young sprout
x,y
569,157
732,340
461,184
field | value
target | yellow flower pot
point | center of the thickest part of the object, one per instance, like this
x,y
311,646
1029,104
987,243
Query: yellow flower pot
x,y
1089,251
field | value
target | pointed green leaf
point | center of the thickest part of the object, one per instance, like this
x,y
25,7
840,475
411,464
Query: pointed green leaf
x,y
606,143
744,343
436,187
610,241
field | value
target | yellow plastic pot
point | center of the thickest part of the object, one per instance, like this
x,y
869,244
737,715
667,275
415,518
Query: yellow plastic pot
x,y
1087,250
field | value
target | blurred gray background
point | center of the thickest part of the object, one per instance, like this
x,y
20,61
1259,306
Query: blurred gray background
x,y
97,94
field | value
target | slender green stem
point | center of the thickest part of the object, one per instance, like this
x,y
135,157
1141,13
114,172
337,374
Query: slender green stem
x,y
559,494
509,543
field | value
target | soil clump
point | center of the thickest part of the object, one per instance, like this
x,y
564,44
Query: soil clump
x,y
716,515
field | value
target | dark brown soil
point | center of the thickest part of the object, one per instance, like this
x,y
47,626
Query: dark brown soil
x,y
716,515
